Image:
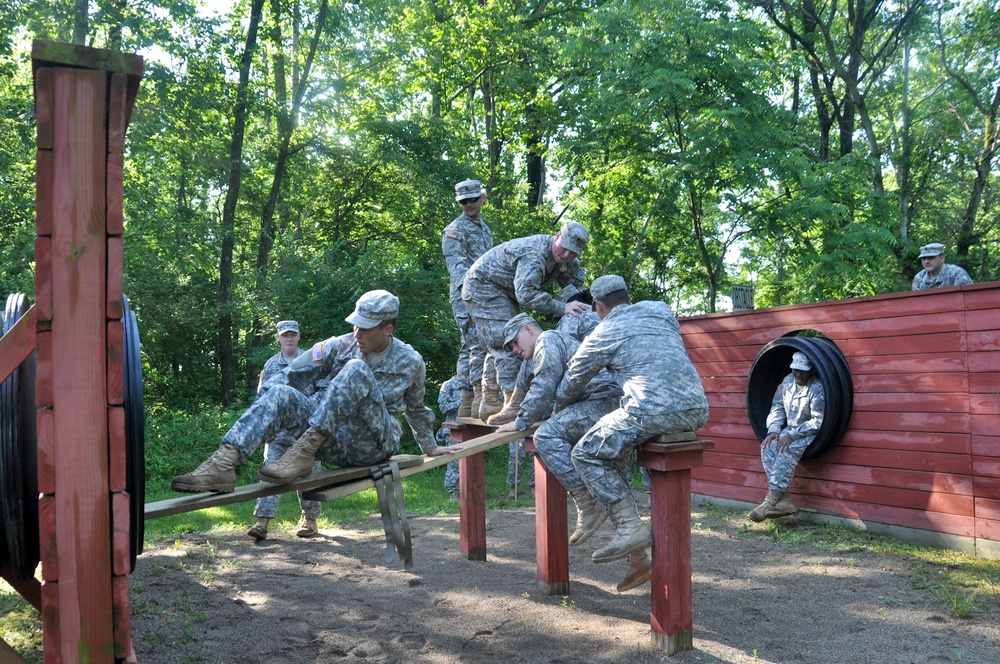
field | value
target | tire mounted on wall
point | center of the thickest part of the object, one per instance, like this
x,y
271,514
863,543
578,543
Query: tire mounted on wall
x,y
771,366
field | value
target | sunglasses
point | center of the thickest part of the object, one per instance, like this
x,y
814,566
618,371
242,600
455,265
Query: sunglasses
x,y
469,201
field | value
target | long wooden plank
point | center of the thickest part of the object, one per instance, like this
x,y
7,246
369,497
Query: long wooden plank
x,y
198,501
17,344
474,446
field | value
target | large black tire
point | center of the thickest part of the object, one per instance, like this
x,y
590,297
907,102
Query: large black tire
x,y
771,366
19,457
135,437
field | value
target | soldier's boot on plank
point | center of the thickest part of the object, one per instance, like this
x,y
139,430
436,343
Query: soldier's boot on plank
x,y
783,507
217,473
492,403
759,513
259,530
467,397
308,527
590,514
297,462
477,399
631,533
640,570
511,405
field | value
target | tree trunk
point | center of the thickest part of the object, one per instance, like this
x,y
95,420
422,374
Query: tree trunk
x,y
226,357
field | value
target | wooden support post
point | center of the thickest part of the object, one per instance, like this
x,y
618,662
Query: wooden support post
x,y
472,494
671,615
83,99
551,535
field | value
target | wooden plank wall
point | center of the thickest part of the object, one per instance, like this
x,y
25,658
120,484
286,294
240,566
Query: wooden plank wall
x,y
922,449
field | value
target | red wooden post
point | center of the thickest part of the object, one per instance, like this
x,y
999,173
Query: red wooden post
x,y
671,616
83,99
551,535
472,494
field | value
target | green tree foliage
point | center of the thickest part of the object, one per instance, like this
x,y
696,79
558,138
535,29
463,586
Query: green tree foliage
x,y
704,144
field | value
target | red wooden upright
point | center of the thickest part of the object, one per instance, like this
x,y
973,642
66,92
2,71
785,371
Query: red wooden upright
x,y
472,493
83,99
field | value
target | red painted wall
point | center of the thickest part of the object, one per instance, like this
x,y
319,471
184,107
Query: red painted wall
x,y
923,446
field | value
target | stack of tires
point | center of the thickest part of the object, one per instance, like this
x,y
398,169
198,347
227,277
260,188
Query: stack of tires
x,y
771,366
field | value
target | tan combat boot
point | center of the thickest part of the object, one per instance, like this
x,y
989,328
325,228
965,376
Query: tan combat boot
x,y
218,473
466,397
259,529
784,507
491,404
590,514
477,400
511,406
759,513
631,533
308,527
295,463
640,570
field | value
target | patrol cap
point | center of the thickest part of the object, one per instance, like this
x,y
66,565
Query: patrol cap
x,y
288,326
609,283
932,249
514,325
467,189
800,362
573,236
374,307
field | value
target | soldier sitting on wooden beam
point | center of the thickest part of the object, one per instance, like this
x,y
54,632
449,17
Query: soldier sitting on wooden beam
x,y
374,378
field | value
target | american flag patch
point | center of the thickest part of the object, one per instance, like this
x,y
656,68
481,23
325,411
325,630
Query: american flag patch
x,y
453,234
317,352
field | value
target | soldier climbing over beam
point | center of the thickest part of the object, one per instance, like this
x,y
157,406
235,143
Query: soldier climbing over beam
x,y
374,378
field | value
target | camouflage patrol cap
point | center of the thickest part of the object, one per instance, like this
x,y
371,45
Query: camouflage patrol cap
x,y
373,308
609,283
932,249
514,325
574,237
467,189
288,326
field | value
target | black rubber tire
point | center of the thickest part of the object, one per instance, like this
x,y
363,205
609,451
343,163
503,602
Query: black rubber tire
x,y
19,457
771,366
135,436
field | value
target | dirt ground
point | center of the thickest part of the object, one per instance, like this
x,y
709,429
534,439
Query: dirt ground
x,y
219,598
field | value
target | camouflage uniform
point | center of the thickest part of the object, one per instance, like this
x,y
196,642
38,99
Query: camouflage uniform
x,y
950,275
462,242
580,326
358,412
267,506
508,277
448,401
798,412
641,345
557,435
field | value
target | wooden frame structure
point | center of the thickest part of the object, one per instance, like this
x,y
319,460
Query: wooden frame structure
x,y
83,101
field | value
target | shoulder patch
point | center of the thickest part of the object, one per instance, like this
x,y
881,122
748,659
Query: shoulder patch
x,y
452,233
317,352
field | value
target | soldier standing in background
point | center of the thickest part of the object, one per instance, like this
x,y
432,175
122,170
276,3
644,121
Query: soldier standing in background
x,y
463,241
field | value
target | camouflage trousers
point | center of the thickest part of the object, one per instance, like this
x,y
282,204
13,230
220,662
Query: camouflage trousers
x,y
516,462
489,321
352,413
267,506
780,466
604,454
557,436
473,359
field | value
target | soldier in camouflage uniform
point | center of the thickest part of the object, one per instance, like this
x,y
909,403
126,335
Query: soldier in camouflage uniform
x,y
641,345
448,403
374,378
264,510
792,424
463,241
514,275
937,273
549,353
